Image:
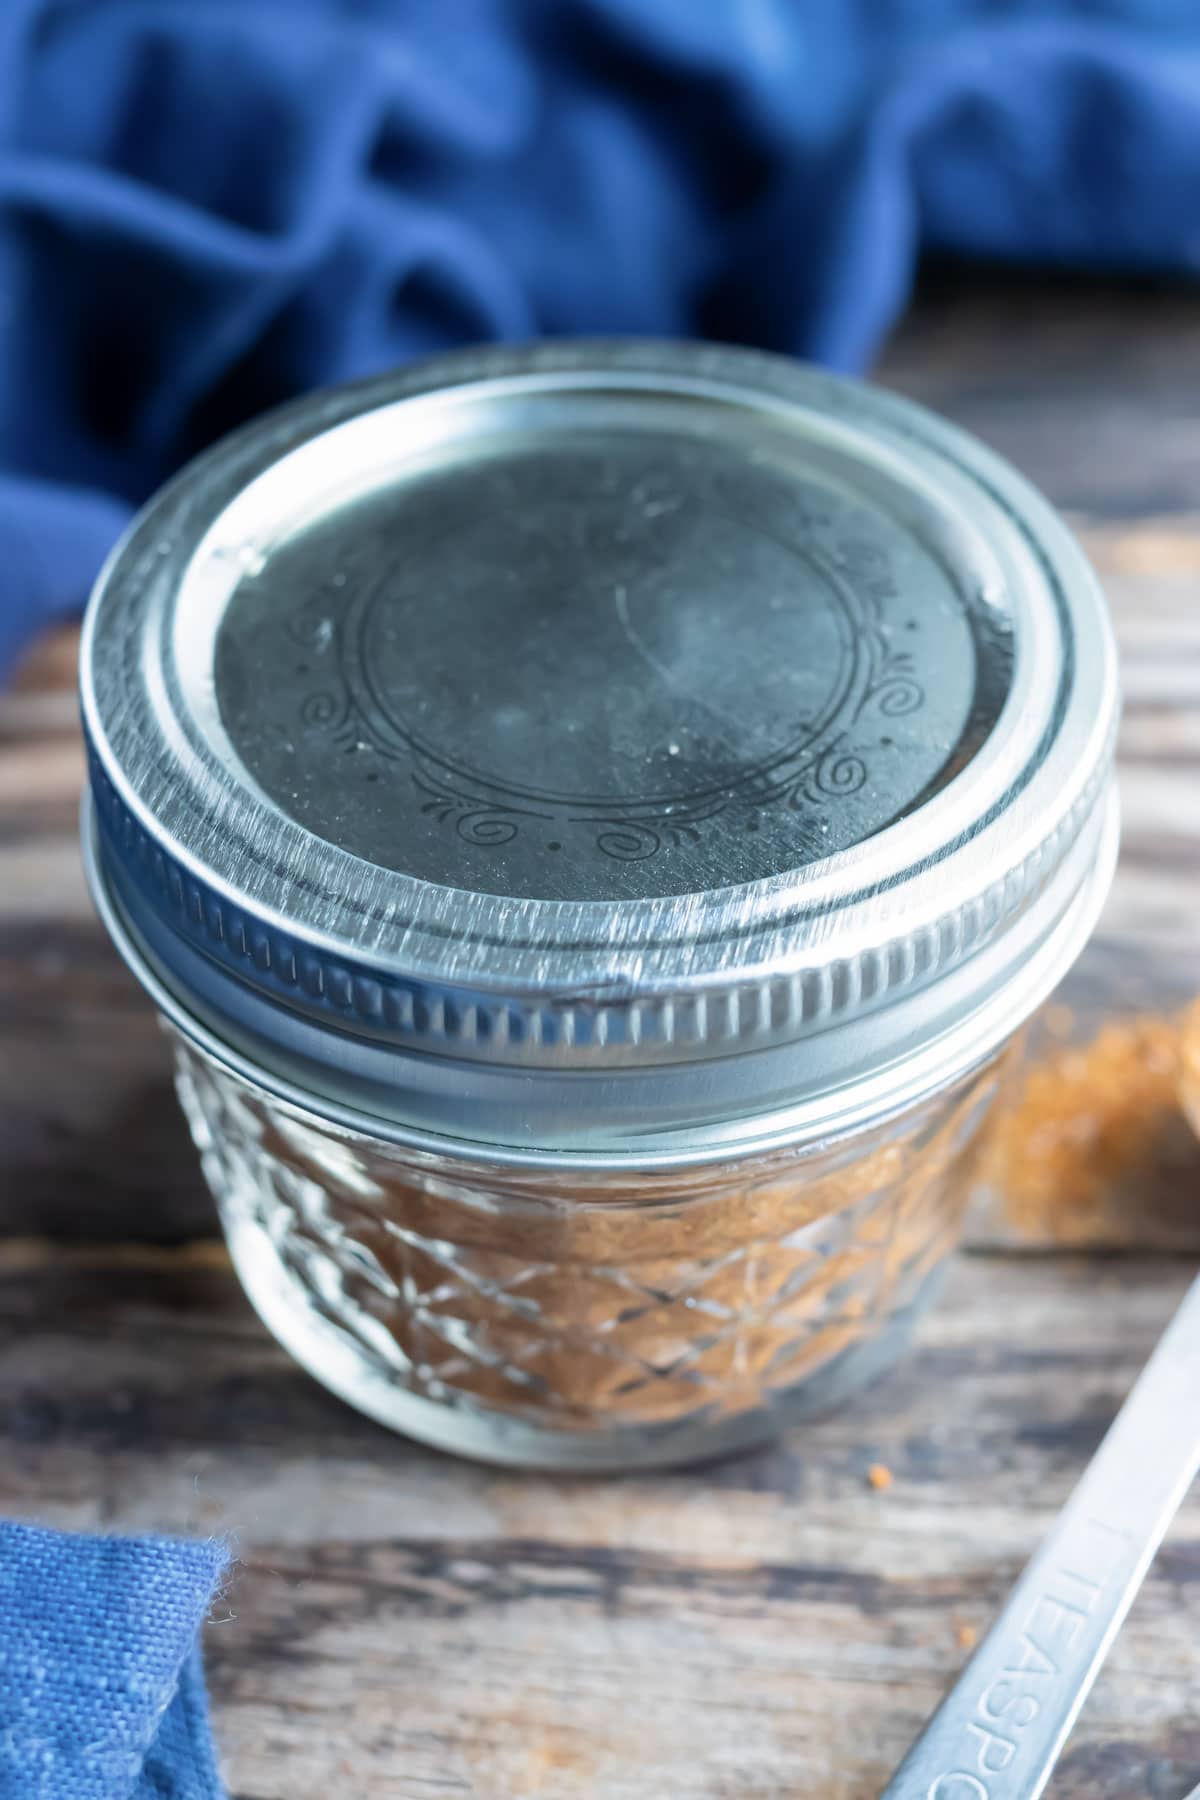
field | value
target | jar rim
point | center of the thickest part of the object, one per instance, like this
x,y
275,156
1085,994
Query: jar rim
x,y
549,1130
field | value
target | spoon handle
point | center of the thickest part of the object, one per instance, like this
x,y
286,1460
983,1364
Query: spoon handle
x,y
1000,1730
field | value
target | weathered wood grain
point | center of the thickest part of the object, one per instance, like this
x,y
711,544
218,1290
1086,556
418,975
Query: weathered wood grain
x,y
91,1142
1093,389
400,1625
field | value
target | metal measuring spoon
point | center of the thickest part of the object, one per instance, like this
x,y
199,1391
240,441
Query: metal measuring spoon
x,y
1001,1729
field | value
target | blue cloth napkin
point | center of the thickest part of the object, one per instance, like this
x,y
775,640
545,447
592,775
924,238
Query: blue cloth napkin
x,y
207,206
101,1688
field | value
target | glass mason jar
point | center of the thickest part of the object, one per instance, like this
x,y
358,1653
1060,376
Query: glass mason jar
x,y
592,818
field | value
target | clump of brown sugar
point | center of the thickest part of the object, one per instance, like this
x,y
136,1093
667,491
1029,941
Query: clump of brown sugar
x,y
1094,1139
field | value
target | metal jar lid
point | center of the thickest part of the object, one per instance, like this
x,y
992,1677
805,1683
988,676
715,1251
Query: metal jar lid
x,y
629,751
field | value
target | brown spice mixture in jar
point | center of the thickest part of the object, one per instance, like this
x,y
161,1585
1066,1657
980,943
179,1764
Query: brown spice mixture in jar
x,y
583,1302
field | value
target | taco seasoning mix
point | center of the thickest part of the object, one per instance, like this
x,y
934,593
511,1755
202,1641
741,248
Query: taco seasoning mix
x,y
592,818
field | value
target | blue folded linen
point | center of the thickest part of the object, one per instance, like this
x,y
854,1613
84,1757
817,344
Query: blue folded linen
x,y
208,207
101,1687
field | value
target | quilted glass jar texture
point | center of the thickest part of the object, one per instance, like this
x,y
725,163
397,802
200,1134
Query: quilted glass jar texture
x,y
562,1319
593,817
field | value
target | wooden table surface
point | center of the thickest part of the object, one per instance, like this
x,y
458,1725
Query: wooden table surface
x,y
403,1625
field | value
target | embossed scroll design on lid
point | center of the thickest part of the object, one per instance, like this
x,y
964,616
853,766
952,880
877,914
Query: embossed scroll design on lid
x,y
827,759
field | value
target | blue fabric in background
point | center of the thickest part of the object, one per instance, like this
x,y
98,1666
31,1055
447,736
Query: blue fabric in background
x,y
209,205
101,1691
